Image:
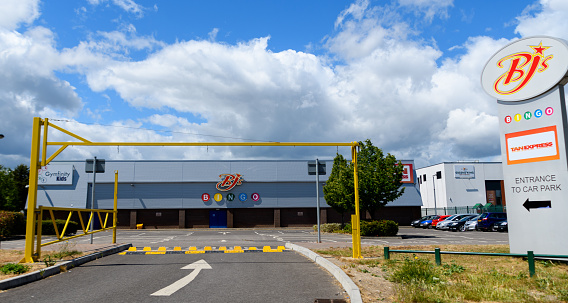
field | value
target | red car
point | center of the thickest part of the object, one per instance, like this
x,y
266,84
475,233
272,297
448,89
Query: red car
x,y
441,218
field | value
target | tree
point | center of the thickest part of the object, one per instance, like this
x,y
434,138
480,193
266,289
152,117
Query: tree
x,y
379,177
21,177
339,190
13,191
379,181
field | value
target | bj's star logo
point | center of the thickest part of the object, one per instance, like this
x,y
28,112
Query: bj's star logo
x,y
522,68
229,181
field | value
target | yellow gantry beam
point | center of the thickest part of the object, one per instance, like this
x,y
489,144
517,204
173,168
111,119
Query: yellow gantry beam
x,y
202,144
38,144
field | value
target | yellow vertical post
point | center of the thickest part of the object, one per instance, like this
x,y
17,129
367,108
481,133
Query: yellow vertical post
x,y
44,145
39,231
32,192
114,218
357,234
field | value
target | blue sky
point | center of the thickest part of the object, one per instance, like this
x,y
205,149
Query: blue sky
x,y
404,73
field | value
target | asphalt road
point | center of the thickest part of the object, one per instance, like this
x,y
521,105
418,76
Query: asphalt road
x,y
245,277
213,276
200,238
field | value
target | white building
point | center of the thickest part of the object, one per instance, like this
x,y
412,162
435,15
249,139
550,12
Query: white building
x,y
461,185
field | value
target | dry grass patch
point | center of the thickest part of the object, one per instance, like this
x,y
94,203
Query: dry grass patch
x,y
416,278
64,252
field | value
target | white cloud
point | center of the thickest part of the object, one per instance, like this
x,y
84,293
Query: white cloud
x,y
389,86
428,8
472,133
15,12
128,6
549,18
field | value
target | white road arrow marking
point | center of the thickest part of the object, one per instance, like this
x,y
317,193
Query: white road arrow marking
x,y
224,232
196,266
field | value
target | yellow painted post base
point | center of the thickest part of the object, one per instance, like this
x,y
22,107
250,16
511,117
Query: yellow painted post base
x,y
356,237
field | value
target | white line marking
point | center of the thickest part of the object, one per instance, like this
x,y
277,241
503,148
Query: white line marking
x,y
172,288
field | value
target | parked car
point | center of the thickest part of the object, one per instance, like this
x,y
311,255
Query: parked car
x,y
444,224
501,226
471,223
486,220
416,223
459,225
428,222
441,224
435,222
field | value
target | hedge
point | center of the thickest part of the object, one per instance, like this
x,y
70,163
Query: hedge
x,y
11,223
381,228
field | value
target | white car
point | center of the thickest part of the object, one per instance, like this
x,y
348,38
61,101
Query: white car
x,y
444,224
471,224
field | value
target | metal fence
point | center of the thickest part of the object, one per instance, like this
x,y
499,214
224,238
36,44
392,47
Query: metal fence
x,y
530,255
462,210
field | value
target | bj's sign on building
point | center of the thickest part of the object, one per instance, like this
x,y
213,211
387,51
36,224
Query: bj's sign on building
x,y
527,78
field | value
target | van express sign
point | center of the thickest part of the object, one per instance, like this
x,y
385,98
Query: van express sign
x,y
525,68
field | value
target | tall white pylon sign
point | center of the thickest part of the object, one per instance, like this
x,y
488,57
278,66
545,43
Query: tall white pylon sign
x,y
527,77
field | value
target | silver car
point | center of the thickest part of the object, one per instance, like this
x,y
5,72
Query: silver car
x,y
471,224
444,224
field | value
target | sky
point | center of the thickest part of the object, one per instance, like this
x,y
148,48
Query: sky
x,y
403,73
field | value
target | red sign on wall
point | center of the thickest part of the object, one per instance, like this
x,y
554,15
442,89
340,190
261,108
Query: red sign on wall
x,y
229,181
407,174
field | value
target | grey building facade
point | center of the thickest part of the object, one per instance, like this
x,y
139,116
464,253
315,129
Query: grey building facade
x,y
192,194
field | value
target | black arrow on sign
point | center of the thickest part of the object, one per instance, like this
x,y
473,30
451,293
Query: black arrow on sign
x,y
536,204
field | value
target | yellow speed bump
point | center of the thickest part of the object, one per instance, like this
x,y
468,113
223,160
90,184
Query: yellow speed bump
x,y
195,252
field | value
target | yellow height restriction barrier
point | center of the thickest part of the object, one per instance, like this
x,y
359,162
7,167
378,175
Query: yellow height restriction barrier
x,y
40,144
100,213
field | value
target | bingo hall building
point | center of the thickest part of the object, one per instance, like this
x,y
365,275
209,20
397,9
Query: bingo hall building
x,y
203,194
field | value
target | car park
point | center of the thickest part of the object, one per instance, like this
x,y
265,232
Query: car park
x,y
428,222
471,223
440,218
416,223
443,225
459,225
487,220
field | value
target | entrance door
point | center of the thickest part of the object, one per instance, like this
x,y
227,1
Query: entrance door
x,y
217,219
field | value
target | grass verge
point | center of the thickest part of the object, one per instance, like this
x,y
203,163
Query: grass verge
x,y
462,278
9,260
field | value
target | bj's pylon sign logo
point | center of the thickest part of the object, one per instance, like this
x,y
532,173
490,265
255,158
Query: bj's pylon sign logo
x,y
525,68
229,181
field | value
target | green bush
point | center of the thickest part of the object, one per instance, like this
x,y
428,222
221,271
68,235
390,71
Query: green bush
x,y
11,223
47,227
12,268
329,227
382,228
